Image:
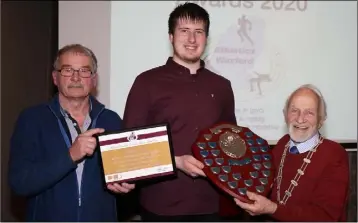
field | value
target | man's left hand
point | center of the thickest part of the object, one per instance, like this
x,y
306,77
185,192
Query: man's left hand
x,y
260,205
120,188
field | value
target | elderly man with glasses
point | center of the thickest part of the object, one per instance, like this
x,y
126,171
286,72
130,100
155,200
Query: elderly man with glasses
x,y
53,160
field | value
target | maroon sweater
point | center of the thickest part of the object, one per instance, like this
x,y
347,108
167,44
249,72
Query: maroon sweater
x,y
322,192
189,103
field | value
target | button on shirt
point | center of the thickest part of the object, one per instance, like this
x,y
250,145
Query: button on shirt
x,y
189,103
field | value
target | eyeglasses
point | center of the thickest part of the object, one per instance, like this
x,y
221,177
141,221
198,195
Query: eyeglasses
x,y
69,71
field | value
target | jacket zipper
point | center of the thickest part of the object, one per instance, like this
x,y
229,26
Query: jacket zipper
x,y
79,201
83,172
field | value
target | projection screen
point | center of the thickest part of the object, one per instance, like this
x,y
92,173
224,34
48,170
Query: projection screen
x,y
265,48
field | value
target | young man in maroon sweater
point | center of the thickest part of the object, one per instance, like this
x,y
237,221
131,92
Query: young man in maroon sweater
x,y
312,176
190,97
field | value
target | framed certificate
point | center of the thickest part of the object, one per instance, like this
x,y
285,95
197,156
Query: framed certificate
x,y
137,153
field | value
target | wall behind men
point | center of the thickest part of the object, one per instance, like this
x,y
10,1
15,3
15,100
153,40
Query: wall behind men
x,y
29,33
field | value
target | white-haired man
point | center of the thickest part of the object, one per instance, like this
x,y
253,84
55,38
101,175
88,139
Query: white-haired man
x,y
312,175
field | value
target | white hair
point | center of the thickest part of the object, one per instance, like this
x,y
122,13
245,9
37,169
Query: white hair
x,y
322,106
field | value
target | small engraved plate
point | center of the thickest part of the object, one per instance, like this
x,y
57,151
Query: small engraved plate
x,y
242,191
232,184
254,174
219,161
215,152
234,162
266,173
260,189
266,156
264,149
248,134
247,160
207,137
257,157
201,145
259,141
215,170
216,131
208,162
226,169
250,142
263,181
204,153
256,166
223,178
267,165
254,149
248,182
212,145
236,176
242,162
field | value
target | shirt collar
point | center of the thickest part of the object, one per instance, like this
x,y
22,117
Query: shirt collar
x,y
306,145
65,113
180,68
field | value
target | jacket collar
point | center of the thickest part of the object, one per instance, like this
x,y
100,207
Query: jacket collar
x,y
97,107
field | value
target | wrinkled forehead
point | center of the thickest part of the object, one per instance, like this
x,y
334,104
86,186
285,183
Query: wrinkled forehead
x,y
305,98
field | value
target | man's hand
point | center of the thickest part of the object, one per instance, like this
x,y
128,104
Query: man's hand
x,y
261,204
84,145
189,165
120,188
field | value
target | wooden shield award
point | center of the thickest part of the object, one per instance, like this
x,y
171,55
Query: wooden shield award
x,y
235,159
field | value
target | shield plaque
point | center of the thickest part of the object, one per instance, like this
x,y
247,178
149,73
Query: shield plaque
x,y
235,159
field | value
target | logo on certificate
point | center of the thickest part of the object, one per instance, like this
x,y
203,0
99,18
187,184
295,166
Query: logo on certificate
x,y
132,137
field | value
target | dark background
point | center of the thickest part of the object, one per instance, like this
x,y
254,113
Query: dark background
x,y
29,42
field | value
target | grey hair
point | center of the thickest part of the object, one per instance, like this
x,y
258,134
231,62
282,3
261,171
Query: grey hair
x,y
76,48
322,106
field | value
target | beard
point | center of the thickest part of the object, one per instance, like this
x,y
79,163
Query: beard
x,y
299,137
187,58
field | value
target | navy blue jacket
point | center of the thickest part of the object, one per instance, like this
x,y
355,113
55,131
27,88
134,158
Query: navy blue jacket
x,y
41,168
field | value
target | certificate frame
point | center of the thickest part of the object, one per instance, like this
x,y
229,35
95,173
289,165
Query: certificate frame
x,y
121,154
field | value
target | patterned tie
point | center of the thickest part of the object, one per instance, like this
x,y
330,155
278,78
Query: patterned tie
x,y
294,150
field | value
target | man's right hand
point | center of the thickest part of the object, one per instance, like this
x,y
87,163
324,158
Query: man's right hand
x,y
189,165
84,145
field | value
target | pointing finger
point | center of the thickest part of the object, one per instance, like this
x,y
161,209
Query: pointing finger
x,y
91,132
